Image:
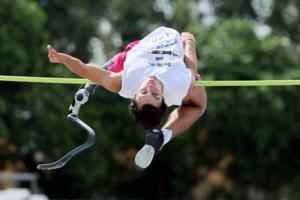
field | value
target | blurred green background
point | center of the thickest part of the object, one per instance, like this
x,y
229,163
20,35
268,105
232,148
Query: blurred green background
x,y
246,146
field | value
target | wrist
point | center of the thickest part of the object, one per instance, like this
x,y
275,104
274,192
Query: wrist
x,y
190,41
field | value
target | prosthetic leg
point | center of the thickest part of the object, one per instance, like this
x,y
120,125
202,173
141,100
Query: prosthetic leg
x,y
81,97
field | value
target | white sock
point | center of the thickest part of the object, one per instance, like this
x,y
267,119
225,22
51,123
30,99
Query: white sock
x,y
167,135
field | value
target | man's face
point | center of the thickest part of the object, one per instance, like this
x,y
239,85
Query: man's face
x,y
149,92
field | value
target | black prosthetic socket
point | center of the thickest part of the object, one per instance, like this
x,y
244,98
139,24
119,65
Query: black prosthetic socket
x,y
155,138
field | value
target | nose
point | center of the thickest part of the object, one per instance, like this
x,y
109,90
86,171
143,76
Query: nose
x,y
151,88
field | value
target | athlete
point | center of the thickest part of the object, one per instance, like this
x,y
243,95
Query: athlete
x,y
156,72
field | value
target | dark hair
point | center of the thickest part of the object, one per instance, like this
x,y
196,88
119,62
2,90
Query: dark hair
x,y
148,116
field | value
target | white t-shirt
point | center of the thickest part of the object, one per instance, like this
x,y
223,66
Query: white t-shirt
x,y
159,54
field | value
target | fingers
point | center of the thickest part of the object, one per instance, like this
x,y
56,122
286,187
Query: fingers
x,y
52,54
187,35
50,49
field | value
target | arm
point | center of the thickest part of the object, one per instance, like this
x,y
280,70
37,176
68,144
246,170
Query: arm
x,y
194,104
110,80
190,57
190,111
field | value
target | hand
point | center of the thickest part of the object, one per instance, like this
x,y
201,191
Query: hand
x,y
187,37
53,56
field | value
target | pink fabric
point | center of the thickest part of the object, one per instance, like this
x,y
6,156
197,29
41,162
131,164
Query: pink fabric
x,y
119,59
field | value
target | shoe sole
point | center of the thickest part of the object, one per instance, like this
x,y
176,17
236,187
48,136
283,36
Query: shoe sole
x,y
144,156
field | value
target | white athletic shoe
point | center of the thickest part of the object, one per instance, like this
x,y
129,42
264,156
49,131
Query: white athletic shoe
x,y
144,157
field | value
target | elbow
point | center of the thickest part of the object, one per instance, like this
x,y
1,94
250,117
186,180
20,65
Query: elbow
x,y
202,104
202,108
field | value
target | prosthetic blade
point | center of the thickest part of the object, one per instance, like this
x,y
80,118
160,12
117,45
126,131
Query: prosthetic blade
x,y
63,161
